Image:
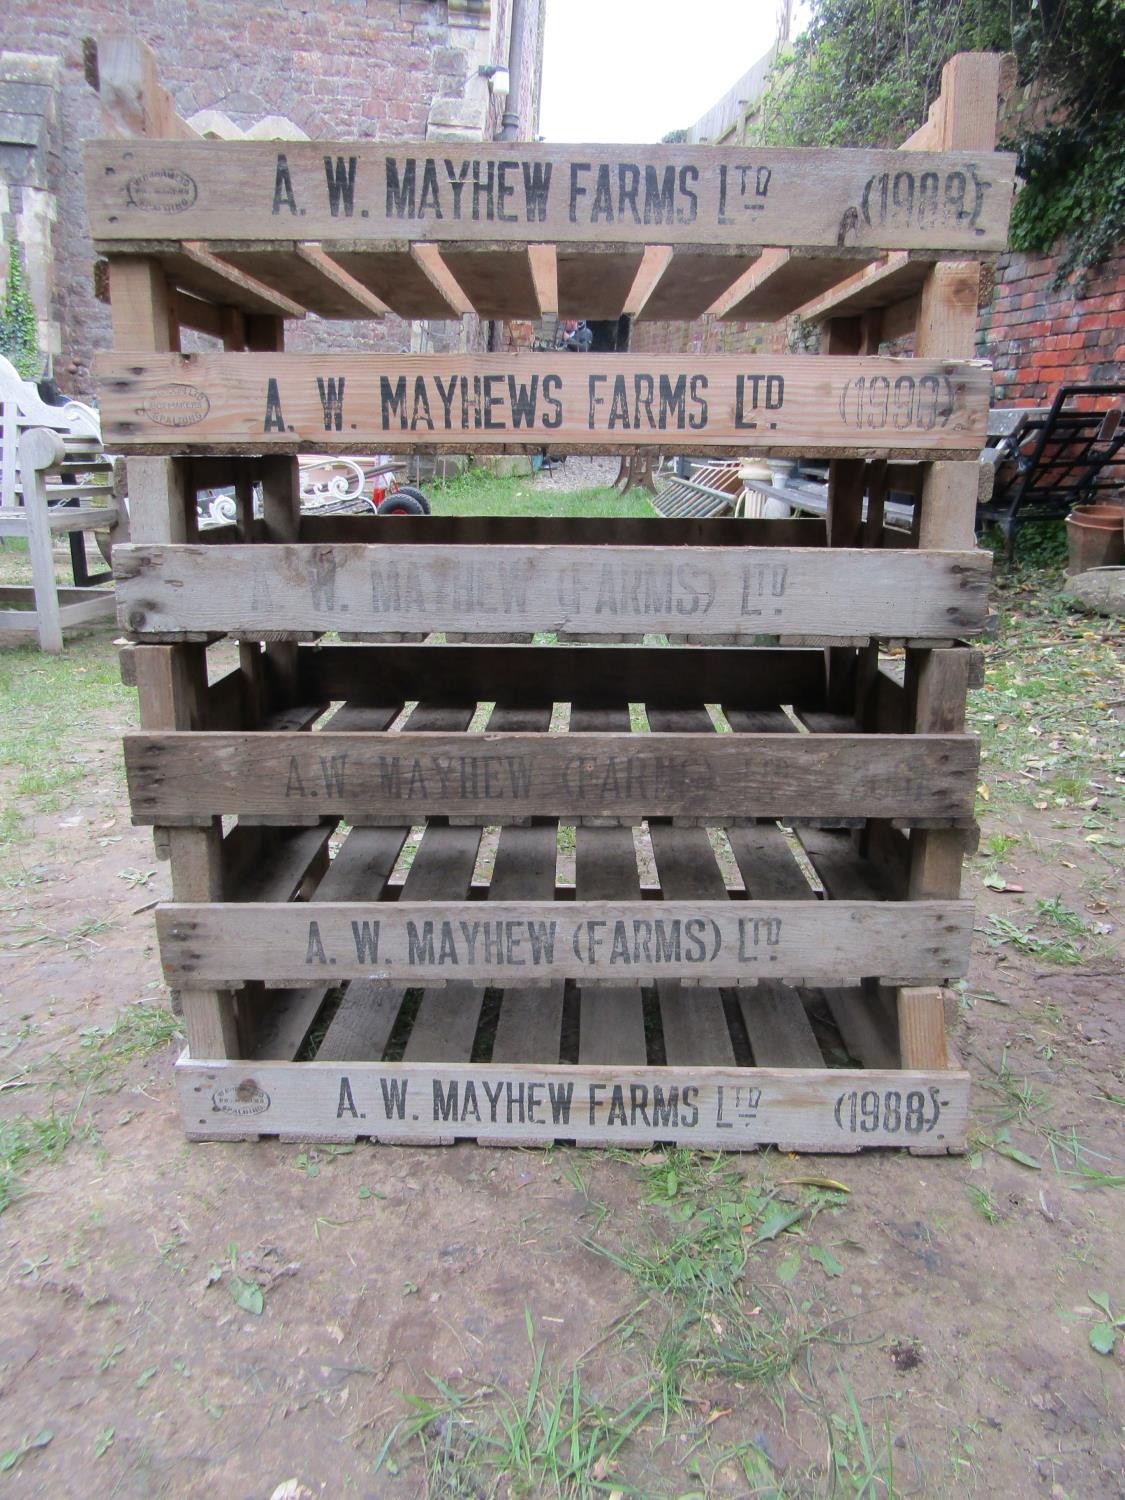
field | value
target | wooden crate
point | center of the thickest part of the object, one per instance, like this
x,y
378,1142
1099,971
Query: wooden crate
x,y
749,941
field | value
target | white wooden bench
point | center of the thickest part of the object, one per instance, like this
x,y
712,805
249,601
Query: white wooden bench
x,y
55,479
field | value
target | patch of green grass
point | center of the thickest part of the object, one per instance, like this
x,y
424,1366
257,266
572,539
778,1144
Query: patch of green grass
x,y
476,492
26,1143
54,713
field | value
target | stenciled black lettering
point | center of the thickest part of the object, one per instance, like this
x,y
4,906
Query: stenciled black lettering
x,y
331,393
341,185
274,421
283,186
401,190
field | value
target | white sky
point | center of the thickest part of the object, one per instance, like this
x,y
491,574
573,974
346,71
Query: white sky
x,y
631,70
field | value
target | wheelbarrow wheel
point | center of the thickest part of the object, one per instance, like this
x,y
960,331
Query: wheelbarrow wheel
x,y
401,504
411,489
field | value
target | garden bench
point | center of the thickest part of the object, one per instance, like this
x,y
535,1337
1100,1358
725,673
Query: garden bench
x,y
55,479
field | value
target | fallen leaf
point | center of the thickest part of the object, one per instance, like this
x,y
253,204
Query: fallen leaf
x,y
788,1268
775,1223
821,1182
827,1260
1013,1153
714,1417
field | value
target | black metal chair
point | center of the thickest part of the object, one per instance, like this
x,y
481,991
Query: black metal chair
x,y
1057,459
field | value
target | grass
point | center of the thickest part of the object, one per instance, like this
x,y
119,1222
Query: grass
x,y
476,492
97,1066
54,714
709,1268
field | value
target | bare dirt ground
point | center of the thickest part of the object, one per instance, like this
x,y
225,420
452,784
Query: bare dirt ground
x,y
250,1320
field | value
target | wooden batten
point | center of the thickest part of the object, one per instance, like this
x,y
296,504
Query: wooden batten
x,y
175,775
825,1109
404,942
355,403
809,199
727,592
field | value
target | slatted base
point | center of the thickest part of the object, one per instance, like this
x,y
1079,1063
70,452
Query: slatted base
x,y
529,1062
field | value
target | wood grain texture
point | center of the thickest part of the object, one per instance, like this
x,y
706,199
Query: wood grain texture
x,y
409,941
406,775
353,403
364,191
709,591
709,1108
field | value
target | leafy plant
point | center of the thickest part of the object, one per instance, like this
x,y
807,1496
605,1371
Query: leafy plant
x,y
1103,1335
866,71
19,326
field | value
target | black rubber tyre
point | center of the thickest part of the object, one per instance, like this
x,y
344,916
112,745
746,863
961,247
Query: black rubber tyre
x,y
399,504
412,489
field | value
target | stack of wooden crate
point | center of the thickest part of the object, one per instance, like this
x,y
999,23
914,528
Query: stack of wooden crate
x,y
743,940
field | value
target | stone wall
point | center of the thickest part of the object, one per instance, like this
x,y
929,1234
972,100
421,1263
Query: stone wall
x,y
29,118
351,69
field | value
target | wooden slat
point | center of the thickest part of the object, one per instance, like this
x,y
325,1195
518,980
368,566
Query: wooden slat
x,y
692,1020
879,285
544,266
767,864
778,284
654,263
396,279
669,677
178,774
433,267
913,941
584,531
778,1028
695,279
586,1104
376,191
708,591
611,1017
254,403
495,279
304,272
530,1018
193,267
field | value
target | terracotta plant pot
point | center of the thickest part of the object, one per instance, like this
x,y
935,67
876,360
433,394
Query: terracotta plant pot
x,y
1095,536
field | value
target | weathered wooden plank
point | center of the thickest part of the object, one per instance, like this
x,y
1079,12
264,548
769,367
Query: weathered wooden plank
x,y
530,1019
355,403
767,864
370,191
693,1020
778,1028
672,676
576,775
778,283
250,589
578,531
709,1108
410,941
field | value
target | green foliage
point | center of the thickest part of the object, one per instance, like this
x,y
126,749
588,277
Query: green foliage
x,y
866,72
19,327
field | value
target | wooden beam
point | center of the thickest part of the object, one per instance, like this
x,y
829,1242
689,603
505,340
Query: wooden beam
x,y
315,256
428,258
544,264
163,591
232,285
654,263
133,102
253,403
619,195
779,283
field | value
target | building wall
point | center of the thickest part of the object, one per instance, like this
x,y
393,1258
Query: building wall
x,y
1039,337
348,69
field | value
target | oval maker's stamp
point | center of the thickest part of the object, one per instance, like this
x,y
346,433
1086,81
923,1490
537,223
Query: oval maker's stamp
x,y
245,1098
163,191
176,405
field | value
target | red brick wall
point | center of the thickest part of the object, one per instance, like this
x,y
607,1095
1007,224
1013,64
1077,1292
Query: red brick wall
x,y
1039,337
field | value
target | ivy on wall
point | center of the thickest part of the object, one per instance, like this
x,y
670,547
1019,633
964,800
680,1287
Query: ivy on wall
x,y
19,327
866,71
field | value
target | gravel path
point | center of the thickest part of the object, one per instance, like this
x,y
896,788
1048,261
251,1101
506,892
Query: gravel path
x,y
580,473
